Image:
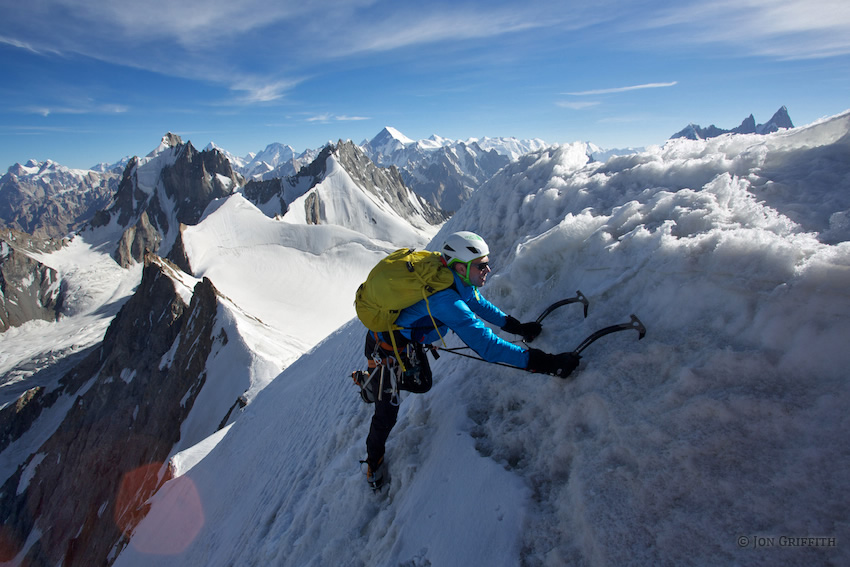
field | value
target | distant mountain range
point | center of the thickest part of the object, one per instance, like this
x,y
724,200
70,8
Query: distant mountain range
x,y
696,132
443,171
49,200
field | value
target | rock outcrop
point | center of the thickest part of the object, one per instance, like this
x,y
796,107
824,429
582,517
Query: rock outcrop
x,y
779,120
171,186
29,290
77,498
384,183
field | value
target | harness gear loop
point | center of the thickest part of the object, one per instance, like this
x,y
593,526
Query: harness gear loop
x,y
387,365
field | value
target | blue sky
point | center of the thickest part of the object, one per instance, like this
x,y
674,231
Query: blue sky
x,y
88,81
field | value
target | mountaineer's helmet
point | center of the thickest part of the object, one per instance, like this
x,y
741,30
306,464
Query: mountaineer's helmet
x,y
463,246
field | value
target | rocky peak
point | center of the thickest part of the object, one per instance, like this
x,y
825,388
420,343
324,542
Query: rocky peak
x,y
182,183
195,179
170,140
780,119
263,192
29,290
84,490
315,171
384,182
748,126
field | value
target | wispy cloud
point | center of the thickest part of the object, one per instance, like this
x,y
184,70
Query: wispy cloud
x,y
623,89
44,110
188,23
216,40
255,90
18,44
790,29
327,118
408,29
576,105
29,130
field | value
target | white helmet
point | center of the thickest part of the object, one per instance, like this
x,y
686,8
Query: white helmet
x,y
463,246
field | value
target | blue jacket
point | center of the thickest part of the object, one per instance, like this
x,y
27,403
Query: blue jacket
x,y
461,308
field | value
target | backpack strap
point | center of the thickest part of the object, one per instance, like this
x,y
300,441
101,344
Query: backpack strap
x,y
428,307
425,292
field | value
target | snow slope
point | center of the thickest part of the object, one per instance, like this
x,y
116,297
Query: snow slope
x,y
345,204
95,289
285,274
724,429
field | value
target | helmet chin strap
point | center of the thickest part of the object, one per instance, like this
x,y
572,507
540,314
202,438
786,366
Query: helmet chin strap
x,y
465,277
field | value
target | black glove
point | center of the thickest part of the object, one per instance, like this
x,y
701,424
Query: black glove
x,y
528,331
560,365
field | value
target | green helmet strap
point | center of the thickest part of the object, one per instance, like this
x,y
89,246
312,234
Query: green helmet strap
x,y
464,277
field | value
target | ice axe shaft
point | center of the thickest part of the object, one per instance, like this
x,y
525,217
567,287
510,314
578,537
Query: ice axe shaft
x,y
633,324
578,298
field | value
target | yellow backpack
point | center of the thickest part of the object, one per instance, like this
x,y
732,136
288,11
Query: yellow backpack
x,y
398,281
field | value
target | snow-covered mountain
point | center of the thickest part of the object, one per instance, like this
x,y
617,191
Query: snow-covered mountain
x,y
275,161
386,143
169,188
445,172
116,167
391,147
723,428
510,147
343,186
48,200
779,120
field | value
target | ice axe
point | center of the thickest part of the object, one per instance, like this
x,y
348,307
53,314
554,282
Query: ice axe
x,y
579,298
633,324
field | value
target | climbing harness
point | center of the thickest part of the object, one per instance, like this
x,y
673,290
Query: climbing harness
x,y
387,375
